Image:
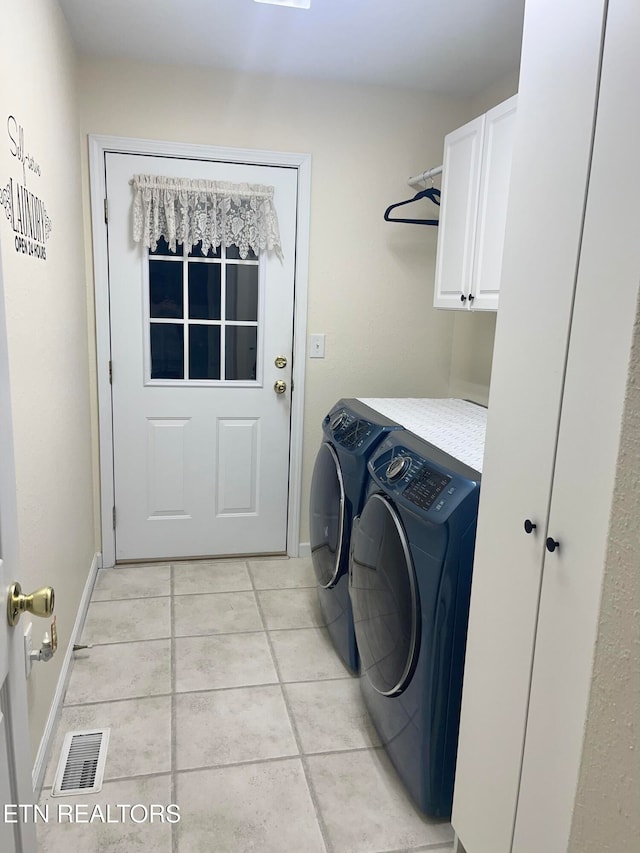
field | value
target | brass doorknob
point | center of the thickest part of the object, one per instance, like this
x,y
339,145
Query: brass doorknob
x,y
279,386
280,362
39,603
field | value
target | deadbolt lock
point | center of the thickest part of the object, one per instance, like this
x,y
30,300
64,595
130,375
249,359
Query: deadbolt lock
x,y
39,603
280,362
279,386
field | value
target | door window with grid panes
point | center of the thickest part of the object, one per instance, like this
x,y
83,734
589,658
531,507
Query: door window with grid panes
x,y
202,316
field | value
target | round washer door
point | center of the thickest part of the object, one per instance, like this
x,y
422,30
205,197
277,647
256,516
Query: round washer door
x,y
327,516
384,598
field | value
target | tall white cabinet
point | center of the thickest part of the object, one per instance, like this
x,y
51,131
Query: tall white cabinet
x,y
571,269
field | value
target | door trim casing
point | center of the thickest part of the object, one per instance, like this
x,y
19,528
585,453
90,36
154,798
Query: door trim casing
x,y
99,145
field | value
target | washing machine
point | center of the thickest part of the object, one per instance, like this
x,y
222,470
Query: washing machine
x,y
351,432
410,584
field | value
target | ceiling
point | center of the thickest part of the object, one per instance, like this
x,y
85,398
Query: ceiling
x,y
453,47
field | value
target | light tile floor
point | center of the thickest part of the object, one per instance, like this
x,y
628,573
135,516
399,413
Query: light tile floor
x,y
224,696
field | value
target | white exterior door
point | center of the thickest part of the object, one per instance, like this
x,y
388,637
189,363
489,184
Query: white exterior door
x,y
15,770
200,436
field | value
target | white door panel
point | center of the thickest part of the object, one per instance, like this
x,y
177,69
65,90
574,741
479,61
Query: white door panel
x,y
492,213
458,214
238,441
200,466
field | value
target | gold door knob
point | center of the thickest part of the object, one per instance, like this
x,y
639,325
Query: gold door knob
x,y
40,603
280,362
279,386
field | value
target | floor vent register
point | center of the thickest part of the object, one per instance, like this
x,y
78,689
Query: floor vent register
x,y
81,766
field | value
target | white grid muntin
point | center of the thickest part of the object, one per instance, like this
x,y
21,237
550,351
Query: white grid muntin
x,y
223,262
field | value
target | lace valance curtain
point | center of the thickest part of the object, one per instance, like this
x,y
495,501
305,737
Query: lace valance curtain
x,y
183,210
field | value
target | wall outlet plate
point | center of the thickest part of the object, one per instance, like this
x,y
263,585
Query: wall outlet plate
x,y
28,648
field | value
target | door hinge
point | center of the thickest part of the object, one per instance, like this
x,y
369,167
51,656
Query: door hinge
x,y
110,372
114,518
106,211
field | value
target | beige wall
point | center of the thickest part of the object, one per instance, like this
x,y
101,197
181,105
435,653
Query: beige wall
x,y
47,328
474,331
370,282
606,816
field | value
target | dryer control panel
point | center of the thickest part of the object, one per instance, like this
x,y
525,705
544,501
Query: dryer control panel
x,y
348,430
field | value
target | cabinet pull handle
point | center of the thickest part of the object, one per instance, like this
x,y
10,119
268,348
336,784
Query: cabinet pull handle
x,y
529,526
552,544
471,297
463,298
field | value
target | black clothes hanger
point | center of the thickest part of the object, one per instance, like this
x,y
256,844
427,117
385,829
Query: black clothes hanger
x,y
431,193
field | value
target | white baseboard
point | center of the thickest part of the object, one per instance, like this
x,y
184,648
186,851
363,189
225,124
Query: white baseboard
x,y
40,764
304,549
457,845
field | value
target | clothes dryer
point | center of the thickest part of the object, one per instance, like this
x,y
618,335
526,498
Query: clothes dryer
x,y
352,431
410,583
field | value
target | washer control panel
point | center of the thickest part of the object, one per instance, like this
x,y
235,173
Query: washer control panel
x,y
416,480
427,487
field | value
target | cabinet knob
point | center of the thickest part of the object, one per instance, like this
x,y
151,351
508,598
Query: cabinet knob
x,y
463,298
552,544
471,297
529,526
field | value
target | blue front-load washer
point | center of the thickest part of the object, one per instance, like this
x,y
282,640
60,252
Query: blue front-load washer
x,y
351,431
410,585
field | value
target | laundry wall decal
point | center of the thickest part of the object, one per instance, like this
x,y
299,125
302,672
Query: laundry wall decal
x,y
24,209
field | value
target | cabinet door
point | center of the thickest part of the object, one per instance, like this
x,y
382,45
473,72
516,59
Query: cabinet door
x,y
588,444
458,214
550,167
492,210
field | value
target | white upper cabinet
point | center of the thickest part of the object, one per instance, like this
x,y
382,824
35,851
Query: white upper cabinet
x,y
475,188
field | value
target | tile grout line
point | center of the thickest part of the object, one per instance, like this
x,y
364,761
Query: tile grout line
x,y
174,722
245,762
249,761
95,644
438,845
272,758
263,621
324,834
167,636
140,697
126,598
232,591
116,780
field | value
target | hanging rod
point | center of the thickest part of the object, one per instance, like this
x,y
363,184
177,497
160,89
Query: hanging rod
x,y
418,180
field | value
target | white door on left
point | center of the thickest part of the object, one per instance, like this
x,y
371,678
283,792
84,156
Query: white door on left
x,y
15,754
